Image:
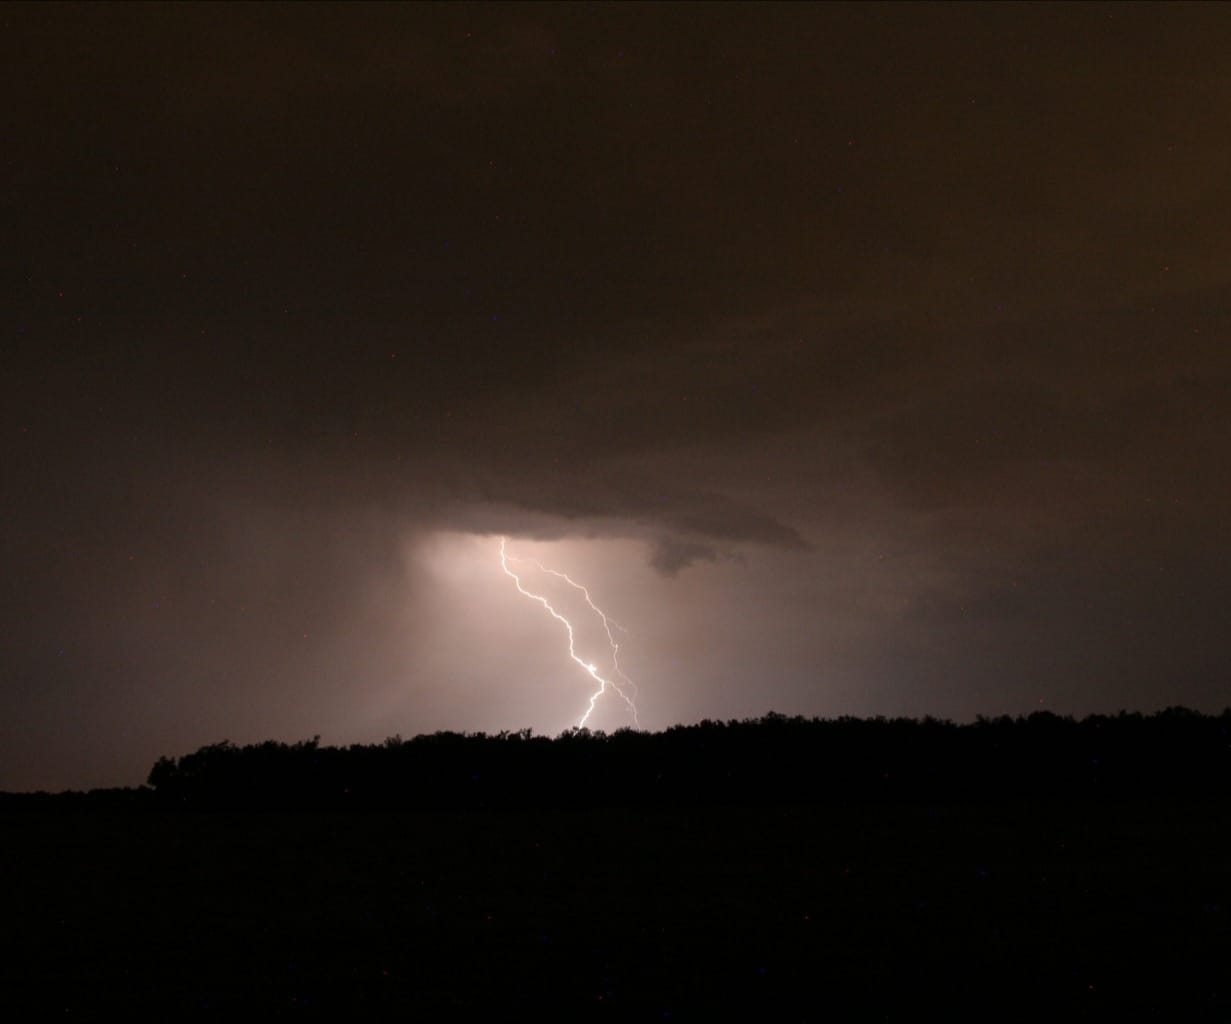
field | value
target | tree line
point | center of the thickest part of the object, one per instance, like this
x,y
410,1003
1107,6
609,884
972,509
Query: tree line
x,y
776,758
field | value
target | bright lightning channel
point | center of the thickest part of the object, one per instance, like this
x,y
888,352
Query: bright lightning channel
x,y
628,691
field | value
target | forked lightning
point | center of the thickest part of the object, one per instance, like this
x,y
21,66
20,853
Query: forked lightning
x,y
628,691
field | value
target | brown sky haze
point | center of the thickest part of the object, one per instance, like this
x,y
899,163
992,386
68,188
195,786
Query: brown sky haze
x,y
864,359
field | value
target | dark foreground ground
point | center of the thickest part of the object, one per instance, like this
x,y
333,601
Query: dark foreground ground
x,y
1016,910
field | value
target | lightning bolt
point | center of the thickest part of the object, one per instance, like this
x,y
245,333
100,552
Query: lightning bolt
x,y
623,691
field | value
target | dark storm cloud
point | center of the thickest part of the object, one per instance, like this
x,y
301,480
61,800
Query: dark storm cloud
x,y
928,300
669,556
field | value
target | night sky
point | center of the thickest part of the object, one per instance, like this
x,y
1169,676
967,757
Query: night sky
x,y
858,359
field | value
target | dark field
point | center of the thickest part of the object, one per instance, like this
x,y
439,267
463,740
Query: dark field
x,y
880,911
